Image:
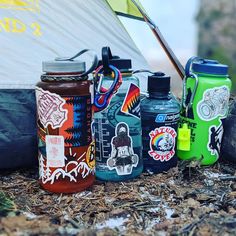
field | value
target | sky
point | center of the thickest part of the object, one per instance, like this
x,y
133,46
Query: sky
x,y
176,20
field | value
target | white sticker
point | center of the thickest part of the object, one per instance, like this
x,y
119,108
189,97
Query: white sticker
x,y
122,157
162,143
55,151
214,103
50,108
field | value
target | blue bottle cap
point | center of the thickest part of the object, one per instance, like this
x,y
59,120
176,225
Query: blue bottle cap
x,y
209,67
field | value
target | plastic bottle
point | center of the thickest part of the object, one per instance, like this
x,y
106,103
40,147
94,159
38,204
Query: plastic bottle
x,y
64,116
118,127
160,116
204,108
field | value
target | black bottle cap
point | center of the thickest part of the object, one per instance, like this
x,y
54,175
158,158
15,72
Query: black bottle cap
x,y
158,82
121,64
109,59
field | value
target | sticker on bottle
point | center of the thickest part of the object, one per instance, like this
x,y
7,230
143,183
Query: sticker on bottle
x,y
131,104
75,167
162,143
167,118
215,139
50,108
77,128
122,157
214,103
55,151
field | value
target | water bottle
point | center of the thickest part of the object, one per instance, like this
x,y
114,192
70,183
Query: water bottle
x,y
66,149
160,115
117,123
204,108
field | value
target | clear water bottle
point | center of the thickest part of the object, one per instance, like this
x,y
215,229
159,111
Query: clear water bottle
x,y
160,115
118,127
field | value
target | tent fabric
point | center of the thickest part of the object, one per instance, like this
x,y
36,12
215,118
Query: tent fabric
x,y
32,31
47,29
126,8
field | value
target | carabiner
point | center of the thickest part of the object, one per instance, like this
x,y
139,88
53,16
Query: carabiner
x,y
103,95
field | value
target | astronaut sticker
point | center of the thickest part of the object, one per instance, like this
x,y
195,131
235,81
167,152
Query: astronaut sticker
x,y
162,143
214,103
122,157
215,138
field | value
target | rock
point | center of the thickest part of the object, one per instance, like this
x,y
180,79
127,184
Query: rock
x,y
228,148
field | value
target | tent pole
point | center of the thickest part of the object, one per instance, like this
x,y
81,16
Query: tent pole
x,y
162,41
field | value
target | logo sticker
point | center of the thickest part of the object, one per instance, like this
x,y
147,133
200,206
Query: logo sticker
x,y
131,104
50,108
122,157
162,143
214,103
215,139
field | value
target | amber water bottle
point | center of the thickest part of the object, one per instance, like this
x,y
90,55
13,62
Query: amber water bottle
x,y
66,149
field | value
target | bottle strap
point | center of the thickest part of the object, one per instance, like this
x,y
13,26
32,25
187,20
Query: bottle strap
x,y
93,65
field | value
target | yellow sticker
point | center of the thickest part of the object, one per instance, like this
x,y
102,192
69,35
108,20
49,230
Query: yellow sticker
x,y
90,155
27,5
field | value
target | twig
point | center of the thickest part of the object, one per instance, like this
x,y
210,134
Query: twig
x,y
227,178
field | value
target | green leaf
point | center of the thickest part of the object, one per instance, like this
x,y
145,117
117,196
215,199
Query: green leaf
x,y
6,205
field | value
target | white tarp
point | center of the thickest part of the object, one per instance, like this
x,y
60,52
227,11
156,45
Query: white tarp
x,y
35,30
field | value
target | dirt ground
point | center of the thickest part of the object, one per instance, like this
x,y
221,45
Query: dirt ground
x,y
188,200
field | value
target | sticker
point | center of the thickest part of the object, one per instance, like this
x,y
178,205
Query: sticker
x,y
90,155
162,143
131,104
214,103
215,139
50,108
74,169
55,151
77,128
167,118
122,157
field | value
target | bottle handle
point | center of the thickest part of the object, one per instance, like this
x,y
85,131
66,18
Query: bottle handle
x,y
106,57
189,74
189,65
93,65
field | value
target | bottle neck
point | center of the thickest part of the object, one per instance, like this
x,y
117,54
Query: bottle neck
x,y
160,95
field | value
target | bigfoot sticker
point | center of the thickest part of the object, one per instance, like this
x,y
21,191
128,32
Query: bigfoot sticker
x,y
162,143
214,103
50,108
215,138
122,157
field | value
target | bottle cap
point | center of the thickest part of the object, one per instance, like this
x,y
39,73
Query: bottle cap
x,y
158,82
210,67
64,66
120,64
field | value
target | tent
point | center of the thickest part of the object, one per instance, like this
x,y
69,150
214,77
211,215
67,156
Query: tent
x,y
32,31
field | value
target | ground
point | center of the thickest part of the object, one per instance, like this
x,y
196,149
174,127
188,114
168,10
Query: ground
x,y
187,200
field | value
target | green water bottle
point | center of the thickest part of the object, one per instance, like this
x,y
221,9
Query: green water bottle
x,y
204,107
